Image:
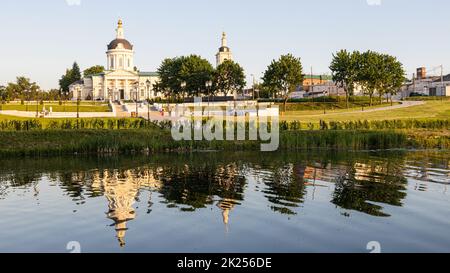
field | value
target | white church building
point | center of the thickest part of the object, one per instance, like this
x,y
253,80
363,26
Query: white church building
x,y
121,80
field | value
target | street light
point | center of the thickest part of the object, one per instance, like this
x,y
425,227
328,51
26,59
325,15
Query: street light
x,y
28,99
136,85
208,90
254,85
183,86
78,101
149,84
37,103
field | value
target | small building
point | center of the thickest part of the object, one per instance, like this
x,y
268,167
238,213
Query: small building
x,y
424,85
309,80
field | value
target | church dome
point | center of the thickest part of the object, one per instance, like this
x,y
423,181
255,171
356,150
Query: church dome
x,y
115,44
224,49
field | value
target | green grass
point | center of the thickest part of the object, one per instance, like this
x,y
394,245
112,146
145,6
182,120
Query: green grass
x,y
61,142
430,110
10,123
329,106
68,107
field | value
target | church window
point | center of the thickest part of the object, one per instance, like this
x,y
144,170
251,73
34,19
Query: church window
x,y
112,62
129,63
120,62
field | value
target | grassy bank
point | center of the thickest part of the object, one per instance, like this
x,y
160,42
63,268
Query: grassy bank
x,y
428,110
61,142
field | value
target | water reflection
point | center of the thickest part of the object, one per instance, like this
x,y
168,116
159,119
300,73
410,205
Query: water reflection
x,y
363,183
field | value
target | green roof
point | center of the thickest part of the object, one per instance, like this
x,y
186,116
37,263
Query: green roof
x,y
98,74
149,74
317,77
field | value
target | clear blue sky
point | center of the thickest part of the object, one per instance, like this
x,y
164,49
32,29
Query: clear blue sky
x,y
40,39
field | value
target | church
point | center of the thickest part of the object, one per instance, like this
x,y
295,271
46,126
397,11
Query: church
x,y
121,80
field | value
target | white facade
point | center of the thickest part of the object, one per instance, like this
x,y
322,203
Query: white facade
x,y
431,86
120,81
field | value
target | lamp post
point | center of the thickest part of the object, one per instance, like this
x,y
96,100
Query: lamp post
x,y
208,90
37,103
136,85
254,85
149,84
28,100
183,88
78,101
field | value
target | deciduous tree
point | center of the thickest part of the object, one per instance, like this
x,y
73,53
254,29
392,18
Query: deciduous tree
x,y
283,76
345,70
229,77
96,69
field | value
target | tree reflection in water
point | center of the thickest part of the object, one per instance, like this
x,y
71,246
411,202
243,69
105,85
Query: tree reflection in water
x,y
285,188
188,183
371,182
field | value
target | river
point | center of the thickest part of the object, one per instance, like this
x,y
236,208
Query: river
x,y
227,202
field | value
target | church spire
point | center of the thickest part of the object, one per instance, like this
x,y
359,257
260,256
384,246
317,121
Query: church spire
x,y
119,30
224,51
224,39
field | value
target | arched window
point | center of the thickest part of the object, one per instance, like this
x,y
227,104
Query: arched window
x,y
129,63
120,62
112,62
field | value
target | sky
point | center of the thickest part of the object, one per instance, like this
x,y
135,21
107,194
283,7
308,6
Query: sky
x,y
41,38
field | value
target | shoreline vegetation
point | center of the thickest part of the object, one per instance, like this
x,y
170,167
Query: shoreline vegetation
x,y
128,136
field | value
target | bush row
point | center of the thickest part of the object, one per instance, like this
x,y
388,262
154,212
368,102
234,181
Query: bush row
x,y
121,124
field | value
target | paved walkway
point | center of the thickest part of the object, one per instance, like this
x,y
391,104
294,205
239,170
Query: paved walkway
x,y
154,115
24,114
120,111
403,104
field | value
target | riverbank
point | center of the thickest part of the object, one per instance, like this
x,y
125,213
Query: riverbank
x,y
66,142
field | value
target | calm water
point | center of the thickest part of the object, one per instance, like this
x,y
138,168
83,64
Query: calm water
x,y
239,202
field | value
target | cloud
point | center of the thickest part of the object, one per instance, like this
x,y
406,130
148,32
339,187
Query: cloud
x,y
73,2
374,2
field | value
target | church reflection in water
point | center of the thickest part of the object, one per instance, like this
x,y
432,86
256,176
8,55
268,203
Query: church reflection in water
x,y
121,189
362,184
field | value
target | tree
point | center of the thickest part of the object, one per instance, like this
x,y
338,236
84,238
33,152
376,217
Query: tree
x,y
23,88
72,75
76,72
393,78
196,72
192,70
170,77
229,76
284,76
96,69
3,94
345,70
51,95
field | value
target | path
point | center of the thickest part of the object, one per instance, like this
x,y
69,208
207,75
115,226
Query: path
x,y
403,104
120,111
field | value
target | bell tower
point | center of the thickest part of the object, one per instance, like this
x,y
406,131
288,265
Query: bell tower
x,y
224,51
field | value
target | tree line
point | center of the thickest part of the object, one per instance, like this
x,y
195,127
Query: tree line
x,y
25,89
188,76
373,72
